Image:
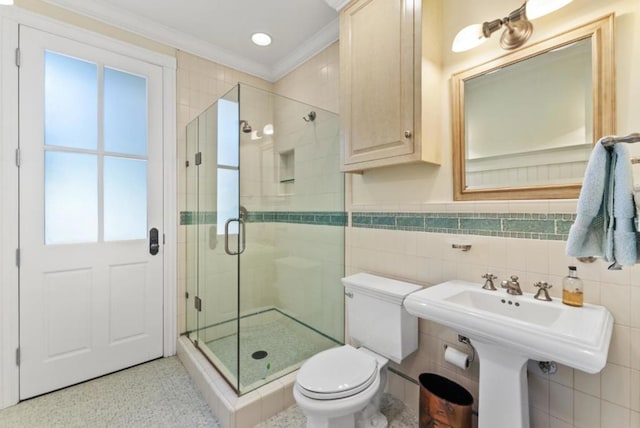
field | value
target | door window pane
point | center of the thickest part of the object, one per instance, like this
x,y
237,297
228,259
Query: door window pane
x,y
228,199
125,113
70,102
71,198
125,199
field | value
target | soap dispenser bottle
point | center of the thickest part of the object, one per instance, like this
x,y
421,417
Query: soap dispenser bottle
x,y
572,293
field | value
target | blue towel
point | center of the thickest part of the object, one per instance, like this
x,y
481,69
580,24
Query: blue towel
x,y
605,220
587,234
622,231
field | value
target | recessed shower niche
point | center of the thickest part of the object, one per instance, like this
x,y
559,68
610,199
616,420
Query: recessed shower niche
x,y
287,171
263,263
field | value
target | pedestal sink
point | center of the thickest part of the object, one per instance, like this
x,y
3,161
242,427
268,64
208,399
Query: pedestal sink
x,y
508,330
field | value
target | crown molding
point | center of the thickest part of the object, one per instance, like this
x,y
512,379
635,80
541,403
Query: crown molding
x,y
323,38
160,33
64,29
337,4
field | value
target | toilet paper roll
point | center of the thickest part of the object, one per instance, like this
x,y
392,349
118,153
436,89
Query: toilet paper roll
x,y
457,358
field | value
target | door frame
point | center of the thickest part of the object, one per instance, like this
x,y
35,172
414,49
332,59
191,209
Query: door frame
x,y
10,19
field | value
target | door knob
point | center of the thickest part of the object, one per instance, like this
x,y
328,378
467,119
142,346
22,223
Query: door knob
x,y
154,244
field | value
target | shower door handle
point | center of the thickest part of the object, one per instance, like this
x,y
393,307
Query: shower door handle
x,y
241,235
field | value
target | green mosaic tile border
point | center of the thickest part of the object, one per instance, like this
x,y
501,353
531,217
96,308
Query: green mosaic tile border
x,y
554,227
319,218
194,217
323,218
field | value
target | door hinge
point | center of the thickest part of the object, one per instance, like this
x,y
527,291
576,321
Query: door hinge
x,y
198,158
18,57
18,257
197,303
18,157
164,239
186,163
17,356
186,294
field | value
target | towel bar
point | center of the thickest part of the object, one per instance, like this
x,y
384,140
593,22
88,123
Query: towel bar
x,y
610,140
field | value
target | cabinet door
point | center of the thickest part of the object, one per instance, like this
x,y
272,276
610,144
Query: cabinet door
x,y
377,78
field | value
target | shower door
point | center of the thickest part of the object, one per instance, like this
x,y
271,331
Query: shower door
x,y
219,233
266,279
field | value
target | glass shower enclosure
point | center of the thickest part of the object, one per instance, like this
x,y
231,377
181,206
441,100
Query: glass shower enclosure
x,y
265,235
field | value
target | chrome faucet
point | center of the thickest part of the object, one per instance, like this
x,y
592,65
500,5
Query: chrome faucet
x,y
488,284
512,286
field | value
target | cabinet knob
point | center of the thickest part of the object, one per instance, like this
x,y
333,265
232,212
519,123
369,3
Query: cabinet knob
x,y
407,134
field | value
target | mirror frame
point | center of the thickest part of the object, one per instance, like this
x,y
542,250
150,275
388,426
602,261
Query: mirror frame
x,y
601,32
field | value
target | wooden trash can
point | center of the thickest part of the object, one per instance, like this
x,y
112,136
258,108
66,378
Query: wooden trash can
x,y
444,403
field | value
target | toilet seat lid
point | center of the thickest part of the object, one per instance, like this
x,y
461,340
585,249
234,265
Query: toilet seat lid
x,y
337,373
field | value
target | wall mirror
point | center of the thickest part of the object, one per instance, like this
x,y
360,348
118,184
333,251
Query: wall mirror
x,y
525,123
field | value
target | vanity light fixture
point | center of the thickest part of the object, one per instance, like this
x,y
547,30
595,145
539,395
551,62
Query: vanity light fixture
x,y
518,26
261,39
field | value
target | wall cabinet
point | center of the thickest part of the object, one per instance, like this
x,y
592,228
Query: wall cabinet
x,y
390,83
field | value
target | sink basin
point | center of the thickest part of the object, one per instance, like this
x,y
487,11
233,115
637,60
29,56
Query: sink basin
x,y
507,331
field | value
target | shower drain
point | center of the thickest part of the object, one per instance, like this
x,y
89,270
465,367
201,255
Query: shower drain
x,y
258,355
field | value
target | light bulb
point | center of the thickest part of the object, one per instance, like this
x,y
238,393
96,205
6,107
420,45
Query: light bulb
x,y
537,8
261,39
6,2
468,38
268,129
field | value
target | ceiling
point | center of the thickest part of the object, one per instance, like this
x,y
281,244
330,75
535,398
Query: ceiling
x,y
220,30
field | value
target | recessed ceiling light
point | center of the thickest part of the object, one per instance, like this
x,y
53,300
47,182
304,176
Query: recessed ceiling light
x,y
261,39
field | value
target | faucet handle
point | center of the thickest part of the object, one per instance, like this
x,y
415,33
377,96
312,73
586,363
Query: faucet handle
x,y
543,285
488,285
542,293
514,278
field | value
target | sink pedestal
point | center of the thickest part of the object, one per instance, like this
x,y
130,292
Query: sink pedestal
x,y
507,331
503,395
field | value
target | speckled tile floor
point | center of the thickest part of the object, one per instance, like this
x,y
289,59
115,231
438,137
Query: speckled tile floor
x,y
398,415
156,394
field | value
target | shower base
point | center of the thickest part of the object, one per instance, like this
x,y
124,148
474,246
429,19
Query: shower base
x,y
287,342
272,344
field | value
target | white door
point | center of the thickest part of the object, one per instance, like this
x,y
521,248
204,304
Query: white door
x,y
91,292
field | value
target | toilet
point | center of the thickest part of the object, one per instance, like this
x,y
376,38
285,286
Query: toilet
x,y
342,387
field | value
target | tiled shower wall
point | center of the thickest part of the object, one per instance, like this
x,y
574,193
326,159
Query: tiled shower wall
x,y
315,82
278,254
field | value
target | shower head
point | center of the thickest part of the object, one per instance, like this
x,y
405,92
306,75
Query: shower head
x,y
244,125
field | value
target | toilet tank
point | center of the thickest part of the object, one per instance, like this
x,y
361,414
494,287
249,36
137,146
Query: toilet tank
x,y
377,319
